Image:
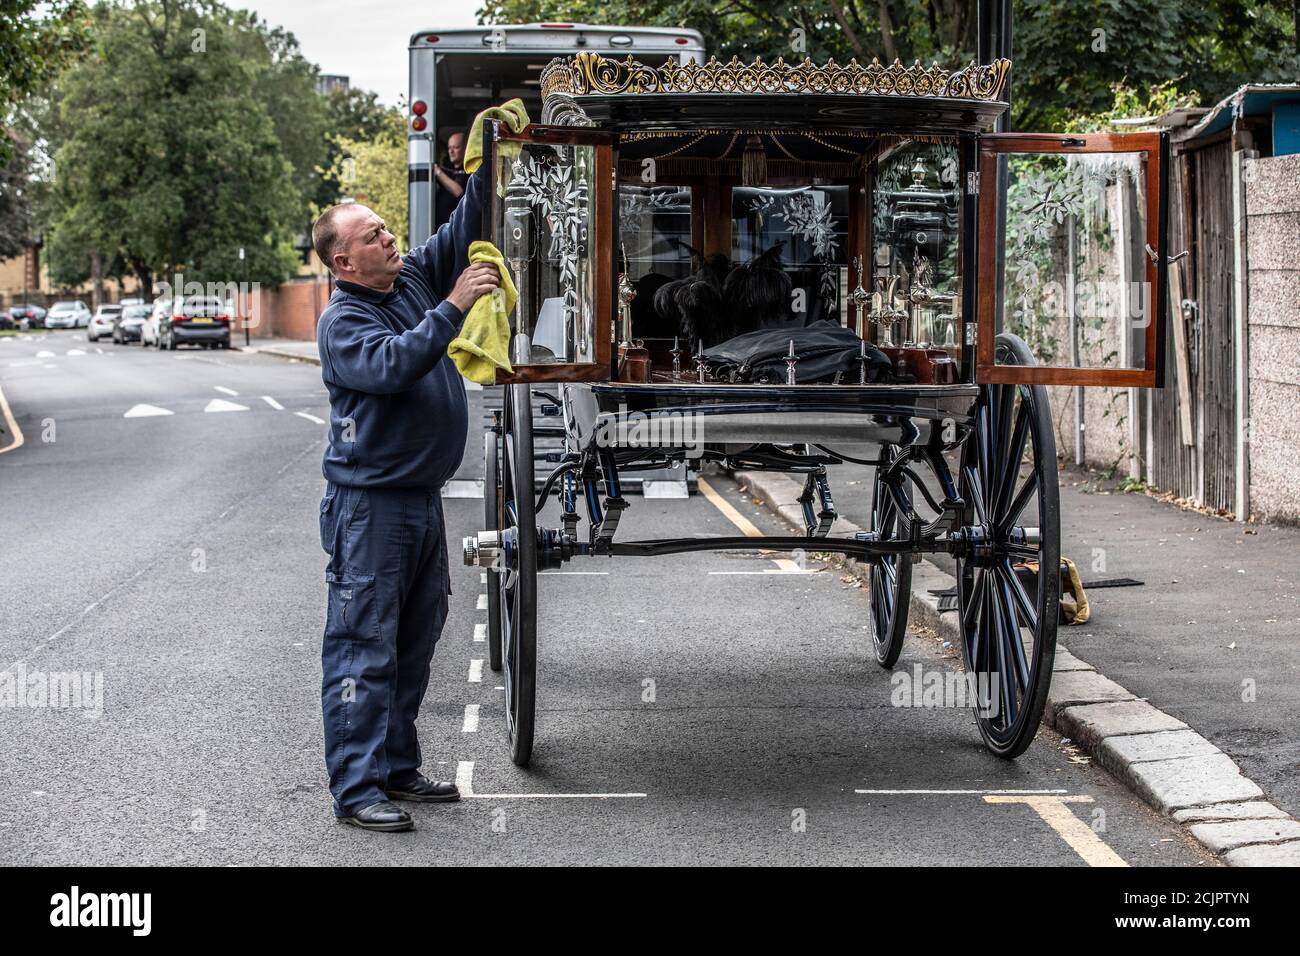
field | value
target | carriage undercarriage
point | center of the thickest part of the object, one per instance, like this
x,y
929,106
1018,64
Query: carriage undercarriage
x,y
979,513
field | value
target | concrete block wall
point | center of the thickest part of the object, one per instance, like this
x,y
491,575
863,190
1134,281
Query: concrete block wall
x,y
1273,251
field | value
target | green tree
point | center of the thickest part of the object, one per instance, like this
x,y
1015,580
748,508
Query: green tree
x,y
374,171
170,158
1068,54
34,48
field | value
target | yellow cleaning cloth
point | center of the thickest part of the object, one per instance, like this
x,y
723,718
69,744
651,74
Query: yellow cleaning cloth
x,y
514,117
483,345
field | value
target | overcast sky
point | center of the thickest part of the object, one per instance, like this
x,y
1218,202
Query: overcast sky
x,y
365,42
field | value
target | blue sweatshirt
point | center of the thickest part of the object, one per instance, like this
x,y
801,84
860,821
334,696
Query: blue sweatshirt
x,y
398,414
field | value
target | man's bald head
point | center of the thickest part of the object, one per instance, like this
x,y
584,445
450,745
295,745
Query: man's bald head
x,y
354,243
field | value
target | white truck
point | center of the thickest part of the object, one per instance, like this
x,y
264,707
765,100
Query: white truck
x,y
454,74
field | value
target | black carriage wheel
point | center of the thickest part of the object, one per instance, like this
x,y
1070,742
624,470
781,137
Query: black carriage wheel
x,y
1008,480
491,508
518,591
890,577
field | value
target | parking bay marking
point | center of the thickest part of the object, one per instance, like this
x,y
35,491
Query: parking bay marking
x,y
465,784
273,403
310,418
1050,806
1080,837
223,390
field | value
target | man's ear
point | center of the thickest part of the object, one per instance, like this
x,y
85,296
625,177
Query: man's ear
x,y
341,263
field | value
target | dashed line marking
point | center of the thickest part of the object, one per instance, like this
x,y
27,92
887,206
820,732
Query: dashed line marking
x,y
470,726
480,633
482,602
273,403
465,778
476,671
223,390
310,418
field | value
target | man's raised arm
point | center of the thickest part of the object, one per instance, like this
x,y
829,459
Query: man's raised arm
x,y
361,353
446,253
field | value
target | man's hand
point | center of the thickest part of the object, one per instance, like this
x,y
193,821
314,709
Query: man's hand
x,y
479,279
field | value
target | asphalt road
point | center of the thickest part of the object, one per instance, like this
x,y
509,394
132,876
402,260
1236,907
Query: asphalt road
x,y
708,708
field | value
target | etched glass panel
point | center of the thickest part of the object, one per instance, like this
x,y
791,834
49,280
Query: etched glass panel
x,y
545,222
1072,273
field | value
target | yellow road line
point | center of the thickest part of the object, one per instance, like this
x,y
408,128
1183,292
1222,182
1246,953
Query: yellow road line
x,y
1081,838
10,424
730,513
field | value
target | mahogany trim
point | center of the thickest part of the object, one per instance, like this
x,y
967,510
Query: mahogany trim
x,y
998,144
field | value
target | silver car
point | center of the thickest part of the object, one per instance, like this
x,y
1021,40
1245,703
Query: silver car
x,y
68,315
101,323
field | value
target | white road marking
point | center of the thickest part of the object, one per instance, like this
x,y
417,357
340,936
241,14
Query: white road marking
x,y
310,418
462,488
770,571
1082,839
476,671
553,796
10,425
146,411
470,726
273,403
482,603
223,390
482,578
465,778
49,366
574,572
45,353
221,405
465,784
99,350
480,633
23,363
76,352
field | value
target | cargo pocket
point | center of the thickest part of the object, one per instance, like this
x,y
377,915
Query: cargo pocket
x,y
327,523
353,613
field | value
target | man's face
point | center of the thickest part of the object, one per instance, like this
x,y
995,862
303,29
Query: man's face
x,y
367,251
456,149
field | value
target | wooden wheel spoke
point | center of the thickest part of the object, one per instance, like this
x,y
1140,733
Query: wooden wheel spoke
x,y
1021,499
1011,466
1021,599
1015,644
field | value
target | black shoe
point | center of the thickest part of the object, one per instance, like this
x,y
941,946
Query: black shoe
x,y
424,790
382,816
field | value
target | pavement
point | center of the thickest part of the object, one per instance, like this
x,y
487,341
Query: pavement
x,y
293,349
160,529
1184,687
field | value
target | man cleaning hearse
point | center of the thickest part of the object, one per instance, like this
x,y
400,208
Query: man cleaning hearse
x,y
395,339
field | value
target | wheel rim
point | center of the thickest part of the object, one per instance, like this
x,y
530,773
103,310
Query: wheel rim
x,y
890,576
1009,482
517,585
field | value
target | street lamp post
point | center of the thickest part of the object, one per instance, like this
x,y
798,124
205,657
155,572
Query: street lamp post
x,y
243,293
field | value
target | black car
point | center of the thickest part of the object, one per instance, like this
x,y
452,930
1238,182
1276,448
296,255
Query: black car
x,y
126,327
34,315
201,320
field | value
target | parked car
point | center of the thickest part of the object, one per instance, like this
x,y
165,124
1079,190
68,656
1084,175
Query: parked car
x,y
6,321
68,315
149,331
135,300
32,315
202,320
129,323
101,323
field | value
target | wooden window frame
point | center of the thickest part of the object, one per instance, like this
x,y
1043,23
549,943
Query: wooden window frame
x,y
603,199
1156,166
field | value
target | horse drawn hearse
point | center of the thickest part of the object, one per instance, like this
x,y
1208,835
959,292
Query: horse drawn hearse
x,y
789,266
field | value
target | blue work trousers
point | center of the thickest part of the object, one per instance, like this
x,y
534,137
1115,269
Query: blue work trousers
x,y
388,583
